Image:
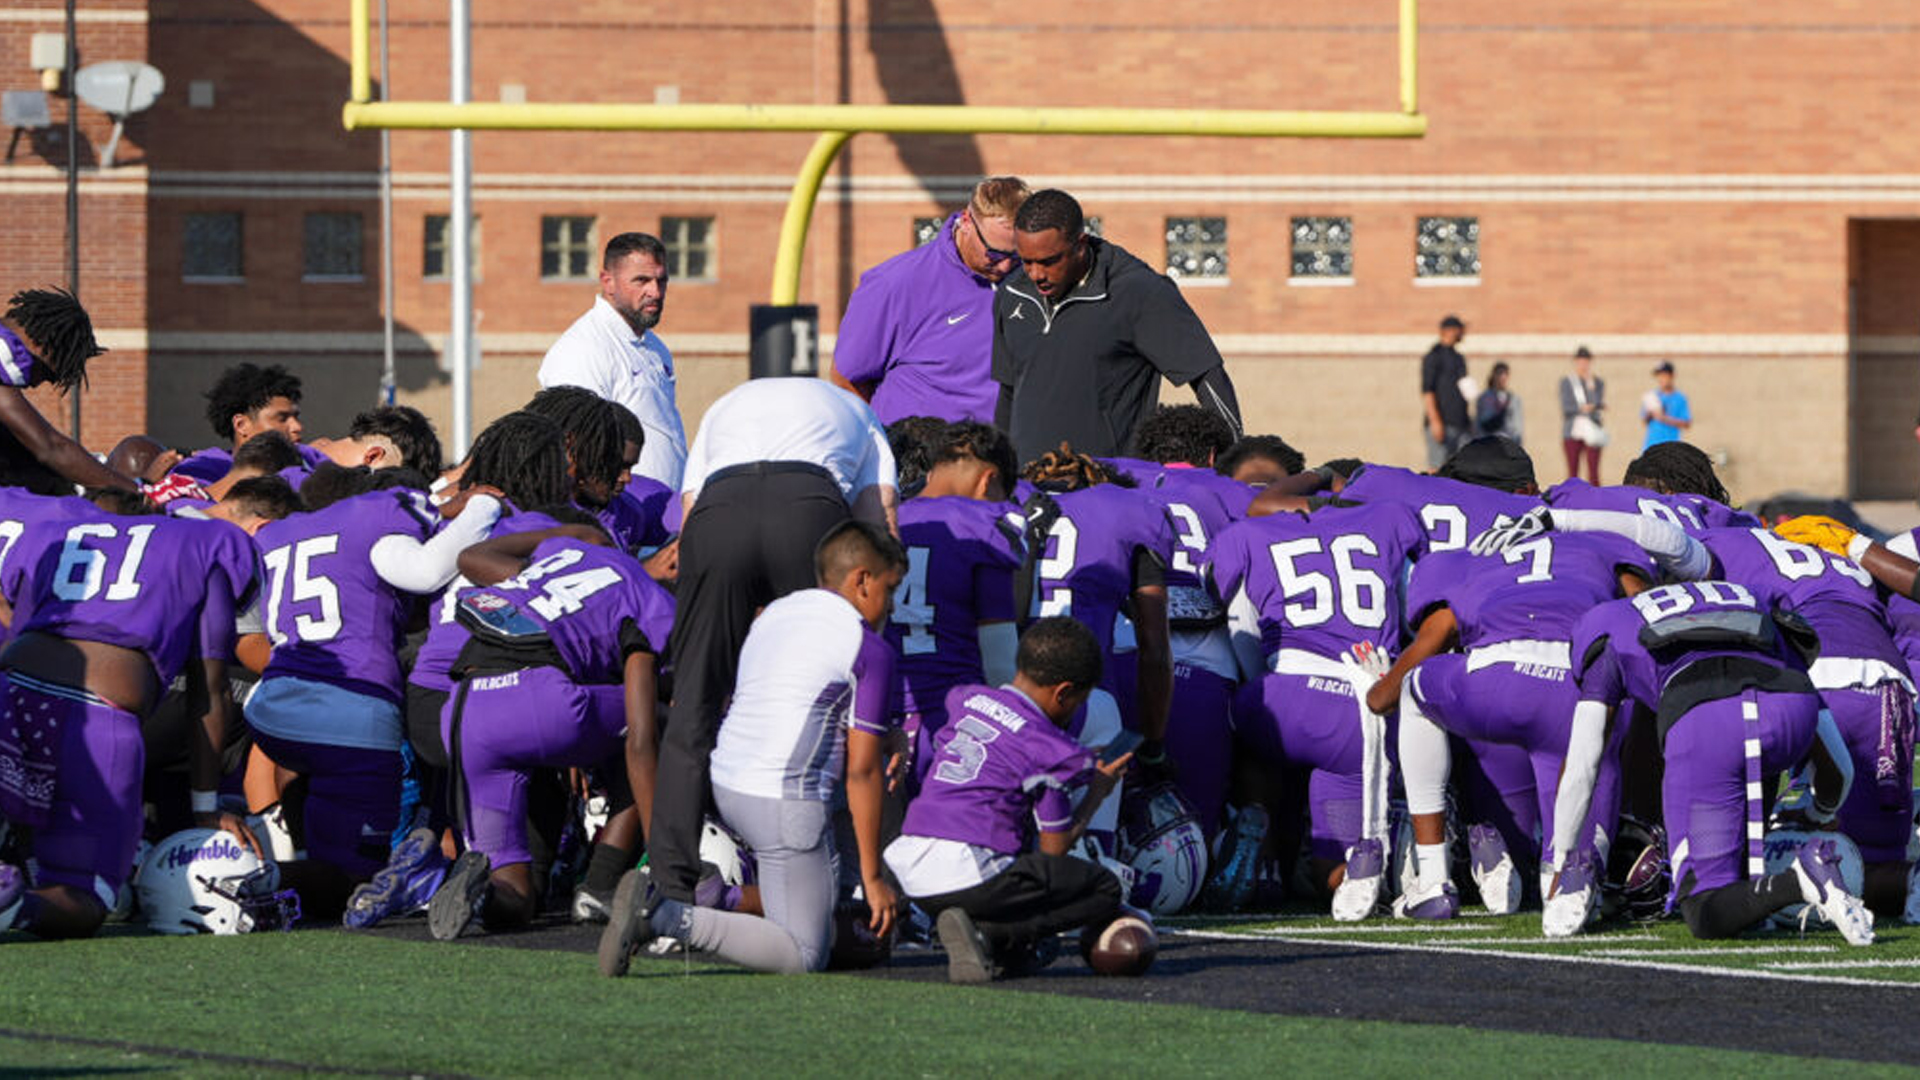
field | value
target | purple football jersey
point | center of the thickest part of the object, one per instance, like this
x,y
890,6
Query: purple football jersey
x,y
1452,512
169,587
1903,614
214,462
1324,581
962,555
1831,592
1086,570
20,508
1613,660
1000,764
1533,591
1693,513
641,511
594,604
445,637
330,616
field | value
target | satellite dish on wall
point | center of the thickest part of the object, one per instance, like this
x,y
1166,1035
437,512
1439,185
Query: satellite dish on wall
x,y
118,88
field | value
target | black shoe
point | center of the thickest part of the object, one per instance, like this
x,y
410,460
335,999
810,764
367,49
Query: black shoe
x,y
458,900
969,958
629,922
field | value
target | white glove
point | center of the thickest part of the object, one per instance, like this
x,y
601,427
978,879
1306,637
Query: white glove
x,y
1507,531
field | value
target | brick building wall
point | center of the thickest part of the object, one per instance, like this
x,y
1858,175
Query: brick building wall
x,y
1693,182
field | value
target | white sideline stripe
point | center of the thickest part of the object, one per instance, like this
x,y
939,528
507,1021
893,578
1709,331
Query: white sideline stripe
x,y
1813,965
1703,953
1564,958
1380,928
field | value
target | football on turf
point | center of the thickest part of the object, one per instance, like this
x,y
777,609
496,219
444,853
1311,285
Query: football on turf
x,y
1126,946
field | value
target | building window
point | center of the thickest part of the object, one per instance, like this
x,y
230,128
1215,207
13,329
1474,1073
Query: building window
x,y
434,264
689,240
925,229
1197,247
210,248
1322,247
1447,247
566,248
333,246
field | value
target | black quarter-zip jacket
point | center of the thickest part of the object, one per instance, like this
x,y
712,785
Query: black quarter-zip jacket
x,y
1087,369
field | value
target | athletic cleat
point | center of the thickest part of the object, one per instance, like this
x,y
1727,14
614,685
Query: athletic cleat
x,y
1568,912
1434,901
969,959
1359,891
1239,849
1493,870
589,908
1818,868
457,902
13,889
405,885
629,922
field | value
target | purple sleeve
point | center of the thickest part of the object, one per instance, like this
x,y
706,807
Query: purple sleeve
x,y
1054,811
215,634
865,342
993,592
1427,588
1596,668
1226,562
873,685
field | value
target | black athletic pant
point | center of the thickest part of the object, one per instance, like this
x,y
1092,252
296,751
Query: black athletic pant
x,y
1033,897
748,542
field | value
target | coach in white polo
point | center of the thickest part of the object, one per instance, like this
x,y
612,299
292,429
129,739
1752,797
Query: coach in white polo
x,y
777,465
613,351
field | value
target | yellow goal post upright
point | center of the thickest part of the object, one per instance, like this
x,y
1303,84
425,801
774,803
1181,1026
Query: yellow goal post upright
x,y
834,125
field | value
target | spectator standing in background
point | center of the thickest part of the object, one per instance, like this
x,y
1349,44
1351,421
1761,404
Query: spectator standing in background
x,y
1498,410
613,351
1664,408
917,338
1443,402
1583,396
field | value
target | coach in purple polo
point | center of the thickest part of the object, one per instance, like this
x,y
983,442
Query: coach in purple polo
x,y
917,338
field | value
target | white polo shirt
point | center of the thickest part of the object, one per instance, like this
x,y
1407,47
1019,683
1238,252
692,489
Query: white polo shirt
x,y
795,419
601,352
810,669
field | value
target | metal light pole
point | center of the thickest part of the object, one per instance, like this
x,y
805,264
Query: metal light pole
x,y
460,224
386,223
73,193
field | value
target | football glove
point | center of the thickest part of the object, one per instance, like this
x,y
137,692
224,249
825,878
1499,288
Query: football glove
x,y
1817,531
1507,531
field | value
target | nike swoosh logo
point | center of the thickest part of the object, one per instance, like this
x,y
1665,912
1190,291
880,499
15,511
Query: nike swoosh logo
x,y
951,319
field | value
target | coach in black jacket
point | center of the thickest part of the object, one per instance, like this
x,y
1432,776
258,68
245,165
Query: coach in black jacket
x,y
1082,333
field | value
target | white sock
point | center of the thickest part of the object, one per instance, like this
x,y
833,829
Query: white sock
x,y
1430,862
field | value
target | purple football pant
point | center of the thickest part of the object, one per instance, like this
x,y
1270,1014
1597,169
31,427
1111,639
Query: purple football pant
x,y
1878,813
93,823
1200,740
1515,720
1713,827
1311,721
512,724
353,800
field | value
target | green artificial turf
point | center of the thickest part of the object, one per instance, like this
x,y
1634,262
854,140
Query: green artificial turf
x,y
338,1001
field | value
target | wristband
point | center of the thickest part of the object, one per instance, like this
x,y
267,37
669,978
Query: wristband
x,y
1857,547
205,802
1151,752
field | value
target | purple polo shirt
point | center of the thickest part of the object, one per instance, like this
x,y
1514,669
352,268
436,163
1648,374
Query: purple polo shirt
x,y
921,326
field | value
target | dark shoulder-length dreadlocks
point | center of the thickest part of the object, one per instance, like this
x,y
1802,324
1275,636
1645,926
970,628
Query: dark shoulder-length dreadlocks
x,y
1676,468
59,327
524,455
